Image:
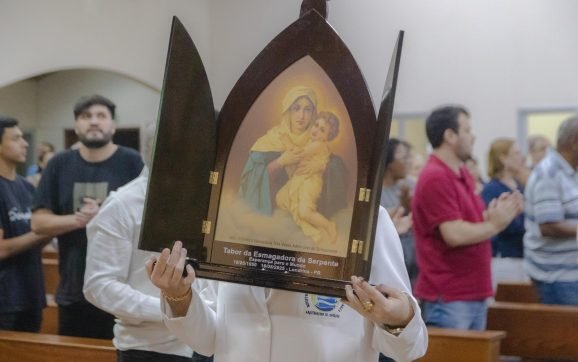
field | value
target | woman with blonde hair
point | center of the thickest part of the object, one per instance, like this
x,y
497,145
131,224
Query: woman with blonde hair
x,y
507,173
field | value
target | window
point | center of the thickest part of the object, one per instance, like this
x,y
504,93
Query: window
x,y
541,122
411,128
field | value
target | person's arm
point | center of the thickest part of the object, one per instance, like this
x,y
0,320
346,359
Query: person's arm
x,y
548,209
110,238
311,165
461,233
44,221
402,223
190,315
562,229
312,148
389,274
12,246
286,158
500,213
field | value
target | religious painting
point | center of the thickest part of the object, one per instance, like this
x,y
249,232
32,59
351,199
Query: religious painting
x,y
290,178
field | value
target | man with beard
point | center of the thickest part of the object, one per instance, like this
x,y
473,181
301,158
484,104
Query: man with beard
x,y
452,231
69,195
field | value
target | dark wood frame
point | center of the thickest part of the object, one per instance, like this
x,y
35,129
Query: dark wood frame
x,y
187,134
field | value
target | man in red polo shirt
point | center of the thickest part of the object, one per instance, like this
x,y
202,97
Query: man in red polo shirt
x,y
451,229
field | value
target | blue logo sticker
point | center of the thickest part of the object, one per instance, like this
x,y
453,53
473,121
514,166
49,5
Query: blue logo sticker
x,y
323,306
323,303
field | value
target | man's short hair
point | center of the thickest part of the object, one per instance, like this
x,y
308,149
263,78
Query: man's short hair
x,y
567,132
6,122
440,120
85,103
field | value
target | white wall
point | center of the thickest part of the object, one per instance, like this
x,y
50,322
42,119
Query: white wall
x,y
493,56
19,101
126,36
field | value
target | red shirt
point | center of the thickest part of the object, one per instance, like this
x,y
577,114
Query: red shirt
x,y
445,273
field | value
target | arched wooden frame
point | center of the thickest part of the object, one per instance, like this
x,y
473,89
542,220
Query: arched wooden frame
x,y
186,137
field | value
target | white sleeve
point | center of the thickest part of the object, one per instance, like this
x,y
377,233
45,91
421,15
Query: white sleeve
x,y
388,268
110,246
198,327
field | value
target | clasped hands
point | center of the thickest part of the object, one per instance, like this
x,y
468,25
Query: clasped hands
x,y
87,211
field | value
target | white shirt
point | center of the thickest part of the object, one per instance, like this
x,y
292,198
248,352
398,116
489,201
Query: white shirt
x,y
246,323
115,279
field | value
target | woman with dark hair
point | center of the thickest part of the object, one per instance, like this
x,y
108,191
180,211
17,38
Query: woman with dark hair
x,y
396,198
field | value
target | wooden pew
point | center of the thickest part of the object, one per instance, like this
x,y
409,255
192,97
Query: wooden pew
x,y
536,331
453,345
51,276
518,292
50,316
34,347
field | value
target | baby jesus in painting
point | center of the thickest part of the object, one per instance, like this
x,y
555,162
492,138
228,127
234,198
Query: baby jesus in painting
x,y
300,194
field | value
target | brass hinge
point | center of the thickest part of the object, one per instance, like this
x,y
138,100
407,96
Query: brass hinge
x,y
213,177
360,247
206,227
364,194
354,245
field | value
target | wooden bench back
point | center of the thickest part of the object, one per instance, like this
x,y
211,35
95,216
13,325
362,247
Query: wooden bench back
x,y
536,330
452,345
51,275
517,292
35,347
49,316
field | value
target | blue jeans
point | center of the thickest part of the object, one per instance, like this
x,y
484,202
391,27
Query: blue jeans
x,y
456,315
558,292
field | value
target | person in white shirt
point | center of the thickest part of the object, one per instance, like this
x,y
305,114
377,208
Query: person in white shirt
x,y
248,323
115,279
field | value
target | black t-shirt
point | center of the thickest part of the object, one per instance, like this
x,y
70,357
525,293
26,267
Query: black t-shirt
x,y
21,280
65,182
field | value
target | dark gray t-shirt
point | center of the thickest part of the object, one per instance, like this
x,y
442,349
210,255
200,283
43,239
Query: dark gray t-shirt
x,y
21,280
65,182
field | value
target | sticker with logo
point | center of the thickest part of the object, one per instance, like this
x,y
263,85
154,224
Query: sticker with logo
x,y
323,306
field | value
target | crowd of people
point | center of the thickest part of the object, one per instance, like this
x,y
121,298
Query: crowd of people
x,y
442,230
469,234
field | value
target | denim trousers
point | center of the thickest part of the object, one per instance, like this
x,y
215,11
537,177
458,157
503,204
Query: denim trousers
x,y
457,315
565,293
